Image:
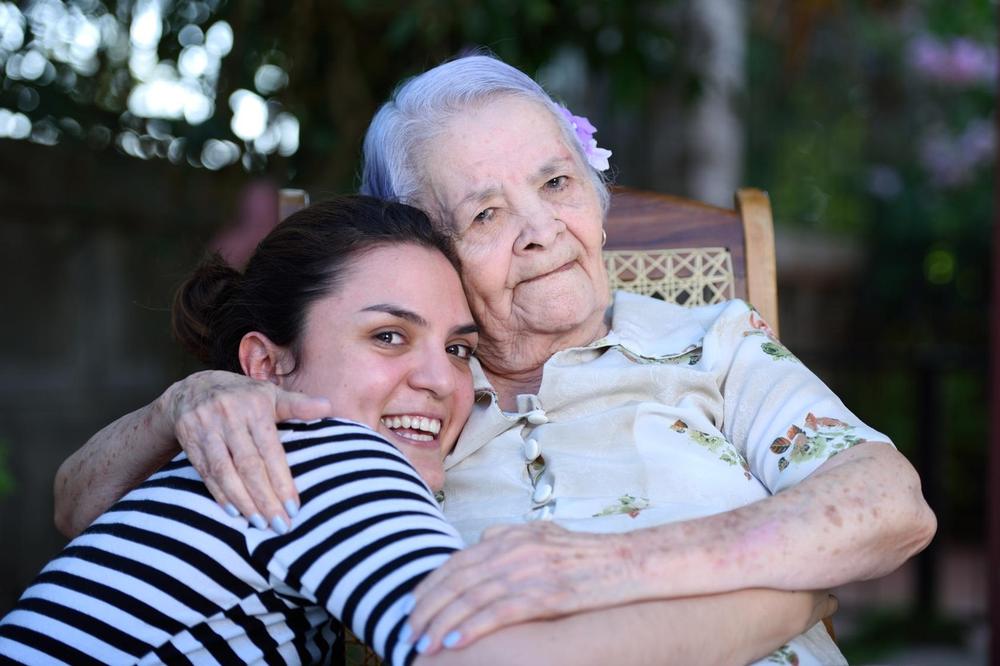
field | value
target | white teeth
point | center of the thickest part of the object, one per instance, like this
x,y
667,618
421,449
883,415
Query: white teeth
x,y
408,422
415,436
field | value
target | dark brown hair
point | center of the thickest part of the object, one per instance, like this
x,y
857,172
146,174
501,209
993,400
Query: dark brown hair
x,y
303,259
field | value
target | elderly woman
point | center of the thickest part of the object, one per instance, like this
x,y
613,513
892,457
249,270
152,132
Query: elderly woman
x,y
703,448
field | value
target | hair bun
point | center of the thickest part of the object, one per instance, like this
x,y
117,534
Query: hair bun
x,y
198,303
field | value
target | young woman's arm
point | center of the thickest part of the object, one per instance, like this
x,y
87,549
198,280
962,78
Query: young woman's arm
x,y
225,423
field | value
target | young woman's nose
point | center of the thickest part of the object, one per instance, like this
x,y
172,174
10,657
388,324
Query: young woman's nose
x,y
434,372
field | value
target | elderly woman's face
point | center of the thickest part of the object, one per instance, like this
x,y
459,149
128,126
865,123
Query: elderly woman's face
x,y
527,219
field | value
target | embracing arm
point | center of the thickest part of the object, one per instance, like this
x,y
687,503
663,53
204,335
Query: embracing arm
x,y
114,460
860,515
733,628
348,474
224,422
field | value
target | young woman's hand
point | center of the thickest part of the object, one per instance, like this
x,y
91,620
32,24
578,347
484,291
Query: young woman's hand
x,y
225,422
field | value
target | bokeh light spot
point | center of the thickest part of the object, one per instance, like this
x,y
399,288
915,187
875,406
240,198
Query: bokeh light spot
x,y
249,114
939,266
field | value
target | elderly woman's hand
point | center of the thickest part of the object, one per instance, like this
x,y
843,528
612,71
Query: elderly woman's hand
x,y
225,422
519,573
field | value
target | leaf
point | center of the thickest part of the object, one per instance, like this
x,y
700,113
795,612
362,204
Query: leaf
x,y
780,445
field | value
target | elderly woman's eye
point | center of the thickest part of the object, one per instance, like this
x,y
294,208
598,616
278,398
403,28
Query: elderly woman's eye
x,y
461,351
557,183
485,215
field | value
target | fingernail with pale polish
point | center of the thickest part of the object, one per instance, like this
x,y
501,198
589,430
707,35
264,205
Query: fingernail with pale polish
x,y
423,643
407,603
405,633
452,639
278,525
231,510
258,521
291,508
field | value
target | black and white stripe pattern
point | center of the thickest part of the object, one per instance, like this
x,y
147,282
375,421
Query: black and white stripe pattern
x,y
166,576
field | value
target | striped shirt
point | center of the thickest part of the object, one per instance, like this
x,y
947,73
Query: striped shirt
x,y
166,576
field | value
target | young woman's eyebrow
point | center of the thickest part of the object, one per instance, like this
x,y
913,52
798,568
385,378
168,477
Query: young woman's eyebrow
x,y
413,317
397,311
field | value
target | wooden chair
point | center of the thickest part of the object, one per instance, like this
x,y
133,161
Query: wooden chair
x,y
691,253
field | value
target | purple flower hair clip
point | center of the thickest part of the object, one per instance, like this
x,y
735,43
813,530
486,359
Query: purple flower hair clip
x,y
585,130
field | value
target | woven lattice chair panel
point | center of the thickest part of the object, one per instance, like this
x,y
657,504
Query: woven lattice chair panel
x,y
690,253
686,276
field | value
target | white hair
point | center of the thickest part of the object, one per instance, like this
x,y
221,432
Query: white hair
x,y
421,106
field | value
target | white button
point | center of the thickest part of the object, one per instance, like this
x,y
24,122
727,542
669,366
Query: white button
x,y
531,449
537,417
543,491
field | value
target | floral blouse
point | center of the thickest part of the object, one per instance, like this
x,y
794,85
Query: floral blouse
x,y
676,413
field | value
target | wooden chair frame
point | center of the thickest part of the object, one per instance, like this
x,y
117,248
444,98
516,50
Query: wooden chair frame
x,y
652,223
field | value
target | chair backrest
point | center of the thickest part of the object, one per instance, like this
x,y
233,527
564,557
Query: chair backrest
x,y
680,250
691,253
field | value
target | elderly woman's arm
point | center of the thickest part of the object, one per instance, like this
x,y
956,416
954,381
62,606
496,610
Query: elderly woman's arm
x,y
225,423
734,628
860,515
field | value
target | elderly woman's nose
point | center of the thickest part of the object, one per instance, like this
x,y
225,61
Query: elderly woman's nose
x,y
540,228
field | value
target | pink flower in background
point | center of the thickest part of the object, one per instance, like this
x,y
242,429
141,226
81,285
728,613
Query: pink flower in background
x,y
960,61
585,130
952,160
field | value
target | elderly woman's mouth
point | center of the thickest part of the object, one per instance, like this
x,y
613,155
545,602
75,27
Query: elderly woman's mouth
x,y
413,427
565,267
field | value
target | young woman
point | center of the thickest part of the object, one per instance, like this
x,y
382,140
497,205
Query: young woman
x,y
356,301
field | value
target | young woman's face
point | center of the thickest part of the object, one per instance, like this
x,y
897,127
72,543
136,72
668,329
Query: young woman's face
x,y
390,348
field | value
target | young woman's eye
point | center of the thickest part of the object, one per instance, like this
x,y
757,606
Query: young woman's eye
x,y
484,215
389,337
460,350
